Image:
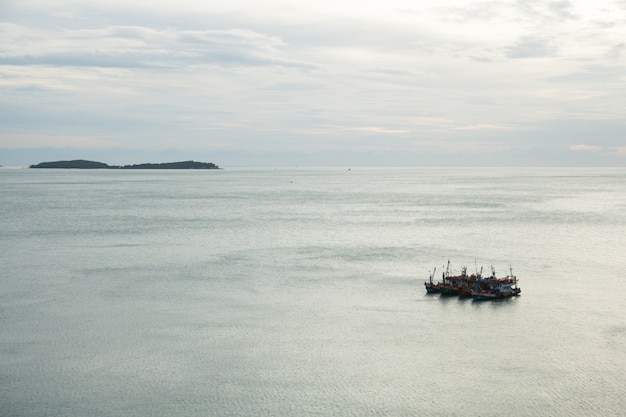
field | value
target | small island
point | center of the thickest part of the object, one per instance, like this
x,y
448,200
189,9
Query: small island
x,y
83,164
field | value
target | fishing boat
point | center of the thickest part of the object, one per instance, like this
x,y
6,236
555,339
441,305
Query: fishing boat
x,y
492,288
431,287
460,285
446,286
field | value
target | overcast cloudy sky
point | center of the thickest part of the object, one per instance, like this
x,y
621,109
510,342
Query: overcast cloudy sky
x,y
325,82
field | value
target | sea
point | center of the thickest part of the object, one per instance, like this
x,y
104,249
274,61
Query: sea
x,y
300,292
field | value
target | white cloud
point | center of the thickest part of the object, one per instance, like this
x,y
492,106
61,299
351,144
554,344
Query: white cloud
x,y
586,148
620,151
482,127
377,129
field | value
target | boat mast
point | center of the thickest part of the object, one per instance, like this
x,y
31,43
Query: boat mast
x,y
513,277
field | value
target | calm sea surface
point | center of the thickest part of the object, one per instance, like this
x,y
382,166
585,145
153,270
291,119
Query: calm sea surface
x,y
299,292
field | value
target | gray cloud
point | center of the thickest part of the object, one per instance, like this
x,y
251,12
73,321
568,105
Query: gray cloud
x,y
530,47
617,52
141,47
546,11
561,9
529,10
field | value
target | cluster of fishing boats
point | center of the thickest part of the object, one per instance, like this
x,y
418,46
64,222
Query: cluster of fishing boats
x,y
476,286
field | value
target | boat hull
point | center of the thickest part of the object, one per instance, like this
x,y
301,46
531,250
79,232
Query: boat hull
x,y
486,295
432,288
449,291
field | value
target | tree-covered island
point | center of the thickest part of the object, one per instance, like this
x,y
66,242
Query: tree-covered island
x,y
83,164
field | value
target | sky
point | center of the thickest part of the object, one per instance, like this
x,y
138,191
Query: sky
x,y
323,83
